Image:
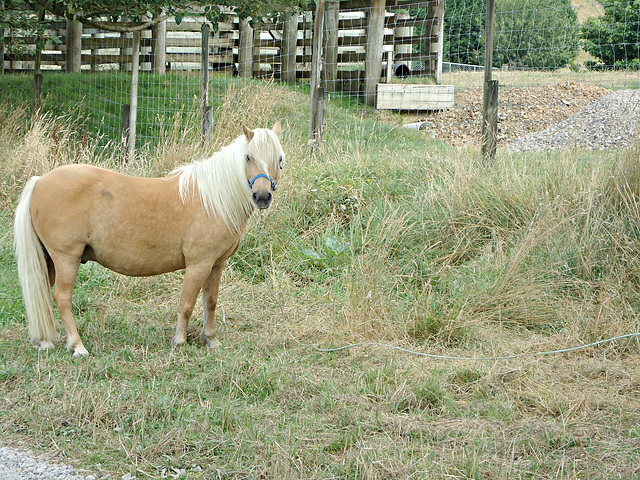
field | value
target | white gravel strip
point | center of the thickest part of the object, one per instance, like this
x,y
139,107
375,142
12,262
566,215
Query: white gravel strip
x,y
23,465
611,122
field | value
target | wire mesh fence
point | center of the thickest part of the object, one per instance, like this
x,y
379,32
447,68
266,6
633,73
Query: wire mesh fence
x,y
420,47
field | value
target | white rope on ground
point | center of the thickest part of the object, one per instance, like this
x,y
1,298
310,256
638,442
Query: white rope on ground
x,y
414,352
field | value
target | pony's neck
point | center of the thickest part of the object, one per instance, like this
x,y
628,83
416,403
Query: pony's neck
x,y
221,185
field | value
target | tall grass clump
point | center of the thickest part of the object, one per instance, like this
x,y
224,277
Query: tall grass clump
x,y
422,248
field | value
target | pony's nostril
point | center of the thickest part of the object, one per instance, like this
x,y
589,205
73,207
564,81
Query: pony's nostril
x,y
262,200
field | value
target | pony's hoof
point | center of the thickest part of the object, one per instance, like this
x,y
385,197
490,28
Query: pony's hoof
x,y
212,343
78,350
45,345
80,353
177,342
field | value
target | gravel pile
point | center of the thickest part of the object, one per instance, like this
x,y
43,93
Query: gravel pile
x,y
611,122
521,110
21,465
564,115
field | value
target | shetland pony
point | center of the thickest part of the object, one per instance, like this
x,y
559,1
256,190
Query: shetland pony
x,y
193,219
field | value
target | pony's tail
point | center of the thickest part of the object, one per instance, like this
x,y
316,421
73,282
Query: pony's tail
x,y
32,272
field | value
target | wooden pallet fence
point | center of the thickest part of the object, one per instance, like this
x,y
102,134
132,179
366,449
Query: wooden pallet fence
x,y
411,45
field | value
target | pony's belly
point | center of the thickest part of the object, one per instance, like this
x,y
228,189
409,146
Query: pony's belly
x,y
142,264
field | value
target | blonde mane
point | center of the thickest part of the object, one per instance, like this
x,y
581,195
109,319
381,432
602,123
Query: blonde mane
x,y
221,180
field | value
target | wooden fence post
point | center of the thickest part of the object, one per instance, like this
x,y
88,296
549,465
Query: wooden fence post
x,y
205,111
135,67
373,59
126,116
330,65
245,49
490,96
289,49
159,46
37,73
73,62
2,47
490,123
317,92
440,44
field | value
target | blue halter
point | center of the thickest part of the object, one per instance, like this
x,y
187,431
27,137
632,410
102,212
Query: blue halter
x,y
263,175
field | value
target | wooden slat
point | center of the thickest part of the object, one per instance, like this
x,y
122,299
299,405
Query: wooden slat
x,y
358,41
352,24
414,40
100,59
418,57
390,22
195,43
351,57
415,22
268,44
102,43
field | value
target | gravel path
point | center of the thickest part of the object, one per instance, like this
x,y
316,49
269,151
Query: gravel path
x,y
611,122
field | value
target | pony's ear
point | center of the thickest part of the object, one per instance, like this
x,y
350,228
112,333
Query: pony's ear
x,y
247,133
277,129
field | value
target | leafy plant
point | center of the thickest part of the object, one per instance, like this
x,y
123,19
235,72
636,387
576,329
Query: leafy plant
x,y
327,255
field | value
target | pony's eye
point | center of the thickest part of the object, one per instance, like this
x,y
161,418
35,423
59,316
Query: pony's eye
x,y
248,158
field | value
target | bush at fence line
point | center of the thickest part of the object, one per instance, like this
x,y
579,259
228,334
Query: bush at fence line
x,y
610,39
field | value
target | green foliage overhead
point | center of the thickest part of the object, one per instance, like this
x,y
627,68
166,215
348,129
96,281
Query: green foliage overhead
x,y
129,15
615,37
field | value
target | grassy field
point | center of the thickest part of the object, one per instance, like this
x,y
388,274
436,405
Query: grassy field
x,y
383,236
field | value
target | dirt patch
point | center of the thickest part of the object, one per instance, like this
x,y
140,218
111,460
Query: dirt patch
x,y
520,111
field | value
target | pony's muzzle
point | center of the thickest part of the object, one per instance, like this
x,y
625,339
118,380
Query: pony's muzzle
x,y
262,200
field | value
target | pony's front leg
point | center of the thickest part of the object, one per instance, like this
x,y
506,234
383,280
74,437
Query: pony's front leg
x,y
194,278
210,300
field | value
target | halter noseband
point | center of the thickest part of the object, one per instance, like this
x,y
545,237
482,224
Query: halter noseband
x,y
263,175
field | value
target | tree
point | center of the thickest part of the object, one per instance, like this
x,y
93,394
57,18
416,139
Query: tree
x,y
535,34
464,31
615,37
527,33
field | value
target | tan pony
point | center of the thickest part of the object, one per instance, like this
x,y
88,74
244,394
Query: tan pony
x,y
193,219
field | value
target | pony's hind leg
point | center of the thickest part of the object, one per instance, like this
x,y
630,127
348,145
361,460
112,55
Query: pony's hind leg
x,y
66,270
210,300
